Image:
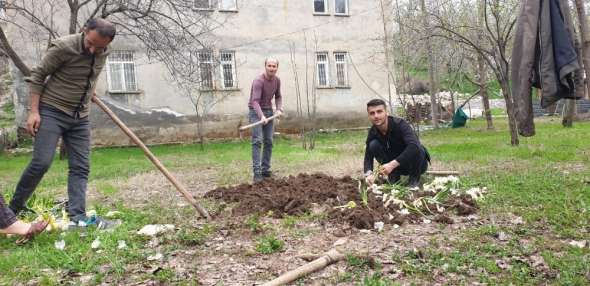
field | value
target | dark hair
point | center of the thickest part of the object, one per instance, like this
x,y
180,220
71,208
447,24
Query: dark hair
x,y
376,102
103,27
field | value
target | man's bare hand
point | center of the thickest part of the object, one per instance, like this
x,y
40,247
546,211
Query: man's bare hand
x,y
33,123
279,113
386,169
370,179
264,120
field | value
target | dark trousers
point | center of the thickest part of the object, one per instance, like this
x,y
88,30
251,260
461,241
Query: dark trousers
x,y
7,217
261,139
414,170
76,136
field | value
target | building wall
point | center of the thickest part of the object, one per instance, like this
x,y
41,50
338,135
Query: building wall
x,y
262,28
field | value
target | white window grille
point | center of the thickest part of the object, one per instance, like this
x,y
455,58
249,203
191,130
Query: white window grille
x,y
341,69
228,69
121,75
205,59
322,69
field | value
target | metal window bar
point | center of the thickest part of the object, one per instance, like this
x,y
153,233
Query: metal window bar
x,y
205,59
121,71
341,69
322,67
228,69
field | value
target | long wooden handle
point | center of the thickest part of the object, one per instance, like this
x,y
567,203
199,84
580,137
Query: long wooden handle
x,y
152,158
330,257
258,123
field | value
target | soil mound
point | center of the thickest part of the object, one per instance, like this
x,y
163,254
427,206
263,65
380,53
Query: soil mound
x,y
296,195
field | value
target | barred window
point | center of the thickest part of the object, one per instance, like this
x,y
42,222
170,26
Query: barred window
x,y
205,59
121,75
203,4
322,68
341,69
228,69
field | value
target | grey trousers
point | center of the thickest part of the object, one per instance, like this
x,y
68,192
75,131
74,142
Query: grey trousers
x,y
261,137
7,217
76,136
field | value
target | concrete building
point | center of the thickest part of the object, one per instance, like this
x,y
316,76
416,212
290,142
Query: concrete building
x,y
333,47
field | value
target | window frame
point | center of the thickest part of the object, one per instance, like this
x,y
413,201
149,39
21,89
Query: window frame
x,y
326,8
344,63
124,79
326,69
221,9
211,63
233,69
209,8
347,8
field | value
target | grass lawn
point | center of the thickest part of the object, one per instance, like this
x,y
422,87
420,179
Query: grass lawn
x,y
545,182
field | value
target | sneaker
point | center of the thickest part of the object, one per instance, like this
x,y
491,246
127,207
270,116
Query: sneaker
x,y
267,174
99,222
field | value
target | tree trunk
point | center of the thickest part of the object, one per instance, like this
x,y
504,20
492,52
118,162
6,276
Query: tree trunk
x,y
483,79
18,62
73,16
506,92
569,110
431,66
583,21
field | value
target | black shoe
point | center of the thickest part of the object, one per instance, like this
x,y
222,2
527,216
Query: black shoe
x,y
257,178
267,174
21,210
413,182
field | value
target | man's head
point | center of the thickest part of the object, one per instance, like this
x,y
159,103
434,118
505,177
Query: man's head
x,y
377,112
271,65
98,34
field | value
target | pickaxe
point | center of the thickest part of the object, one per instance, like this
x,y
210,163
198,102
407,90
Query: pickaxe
x,y
241,129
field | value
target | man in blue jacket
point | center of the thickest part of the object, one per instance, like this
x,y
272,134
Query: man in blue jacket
x,y
393,143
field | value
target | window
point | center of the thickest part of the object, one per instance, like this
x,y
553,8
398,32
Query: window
x,y
228,70
205,59
121,72
341,69
203,4
228,5
322,69
320,6
341,7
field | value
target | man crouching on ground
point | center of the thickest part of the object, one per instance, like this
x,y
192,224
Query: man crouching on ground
x,y
393,143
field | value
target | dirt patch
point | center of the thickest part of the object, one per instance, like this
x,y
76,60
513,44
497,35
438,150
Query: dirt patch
x,y
296,195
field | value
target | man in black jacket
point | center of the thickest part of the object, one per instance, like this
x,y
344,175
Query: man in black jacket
x,y
393,143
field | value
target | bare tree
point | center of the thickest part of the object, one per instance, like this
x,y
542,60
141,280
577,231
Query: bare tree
x,y
165,27
498,27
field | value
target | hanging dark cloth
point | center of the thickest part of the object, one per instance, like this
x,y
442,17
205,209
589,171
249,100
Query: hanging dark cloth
x,y
543,56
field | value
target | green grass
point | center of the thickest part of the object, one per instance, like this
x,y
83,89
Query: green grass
x,y
544,181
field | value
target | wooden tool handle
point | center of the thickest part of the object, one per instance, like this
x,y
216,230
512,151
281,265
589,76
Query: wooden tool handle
x,y
258,123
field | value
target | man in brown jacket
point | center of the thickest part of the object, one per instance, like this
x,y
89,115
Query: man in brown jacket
x,y
61,88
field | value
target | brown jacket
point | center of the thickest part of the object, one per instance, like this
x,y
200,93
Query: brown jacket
x,y
64,78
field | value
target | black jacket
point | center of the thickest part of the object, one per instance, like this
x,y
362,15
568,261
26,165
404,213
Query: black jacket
x,y
401,141
543,56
